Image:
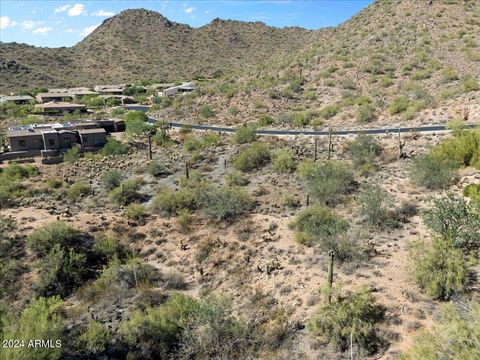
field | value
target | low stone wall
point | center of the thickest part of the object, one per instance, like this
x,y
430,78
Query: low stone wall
x,y
19,155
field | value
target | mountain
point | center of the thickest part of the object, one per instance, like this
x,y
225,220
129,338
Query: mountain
x,y
140,44
395,61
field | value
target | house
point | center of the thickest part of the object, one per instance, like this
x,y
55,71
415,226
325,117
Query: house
x,y
25,140
109,89
92,138
51,96
174,90
76,93
123,99
60,107
19,100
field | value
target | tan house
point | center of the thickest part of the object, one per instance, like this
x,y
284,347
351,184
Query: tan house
x,y
25,140
109,89
51,96
57,107
19,100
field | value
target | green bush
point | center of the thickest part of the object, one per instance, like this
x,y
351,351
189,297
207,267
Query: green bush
x,y
463,148
61,272
224,203
169,202
77,190
472,191
353,317
438,267
211,139
135,212
284,161
433,172
107,247
111,179
136,124
192,143
470,84
320,226
72,155
156,168
114,147
376,208
95,338
126,192
206,111
366,113
455,335
39,320
236,178
451,216
363,150
399,105
329,111
449,75
244,134
253,157
43,239
18,172
264,120
328,181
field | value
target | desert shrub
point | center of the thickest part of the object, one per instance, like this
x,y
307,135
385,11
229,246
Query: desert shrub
x,y
224,203
77,190
451,216
363,150
114,147
126,192
253,157
18,172
349,317
192,143
376,208
156,168
463,148
264,120
244,134
135,212
433,172
319,225
327,181
169,202
329,111
184,219
211,139
39,320
71,155
43,239
454,336
449,75
95,338
54,183
472,191
438,267
399,105
119,111
284,161
236,178
470,84
111,179
206,111
107,248
61,271
366,113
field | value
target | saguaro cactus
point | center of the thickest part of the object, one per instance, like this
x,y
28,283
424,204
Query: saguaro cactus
x,y
331,256
187,175
329,143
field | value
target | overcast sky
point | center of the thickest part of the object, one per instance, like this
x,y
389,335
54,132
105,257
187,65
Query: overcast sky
x,y
65,23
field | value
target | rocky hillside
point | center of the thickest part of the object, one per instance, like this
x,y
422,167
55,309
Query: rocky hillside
x,y
140,44
395,61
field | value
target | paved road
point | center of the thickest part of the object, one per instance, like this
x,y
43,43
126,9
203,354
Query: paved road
x,y
279,132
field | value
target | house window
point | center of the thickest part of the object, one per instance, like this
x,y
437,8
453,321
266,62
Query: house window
x,y
22,143
67,141
85,139
51,142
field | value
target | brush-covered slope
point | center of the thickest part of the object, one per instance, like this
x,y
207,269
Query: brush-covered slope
x,y
397,60
139,44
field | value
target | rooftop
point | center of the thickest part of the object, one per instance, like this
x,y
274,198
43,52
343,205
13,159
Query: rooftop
x,y
92,131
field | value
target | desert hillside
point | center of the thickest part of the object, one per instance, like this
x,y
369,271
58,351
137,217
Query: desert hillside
x,y
142,44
